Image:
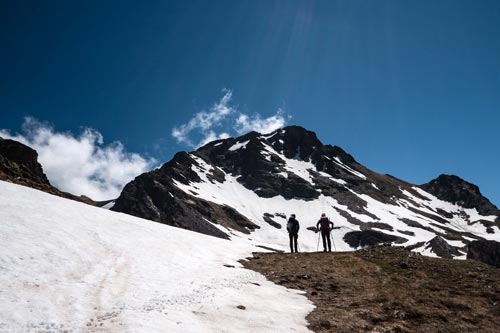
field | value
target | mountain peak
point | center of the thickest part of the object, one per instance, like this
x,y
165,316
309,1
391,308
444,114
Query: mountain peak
x,y
454,189
253,182
294,141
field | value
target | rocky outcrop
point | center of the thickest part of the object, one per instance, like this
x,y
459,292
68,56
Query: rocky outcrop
x,y
260,170
268,218
456,190
487,251
370,237
154,196
19,165
441,248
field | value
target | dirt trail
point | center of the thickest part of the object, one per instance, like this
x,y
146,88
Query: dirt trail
x,y
389,289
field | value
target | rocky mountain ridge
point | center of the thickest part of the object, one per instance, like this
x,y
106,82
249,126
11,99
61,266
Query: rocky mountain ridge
x,y
247,186
19,165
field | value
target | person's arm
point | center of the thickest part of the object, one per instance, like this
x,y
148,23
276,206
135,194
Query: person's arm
x,y
298,226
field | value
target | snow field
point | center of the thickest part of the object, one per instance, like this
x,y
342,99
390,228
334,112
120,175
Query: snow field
x,y
69,267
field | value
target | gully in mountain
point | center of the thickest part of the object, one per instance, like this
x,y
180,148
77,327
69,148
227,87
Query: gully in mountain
x,y
293,232
325,226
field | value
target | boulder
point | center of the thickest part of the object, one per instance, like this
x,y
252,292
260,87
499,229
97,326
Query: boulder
x,y
487,251
364,238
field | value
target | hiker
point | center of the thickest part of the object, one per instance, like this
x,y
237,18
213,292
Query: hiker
x,y
325,226
293,232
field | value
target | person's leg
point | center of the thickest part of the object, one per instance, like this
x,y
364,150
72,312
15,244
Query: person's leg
x,y
329,242
323,236
295,238
291,242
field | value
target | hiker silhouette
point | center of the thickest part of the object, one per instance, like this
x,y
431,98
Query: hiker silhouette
x,y
325,226
293,232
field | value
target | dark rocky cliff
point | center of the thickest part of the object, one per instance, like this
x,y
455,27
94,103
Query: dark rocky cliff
x,y
19,165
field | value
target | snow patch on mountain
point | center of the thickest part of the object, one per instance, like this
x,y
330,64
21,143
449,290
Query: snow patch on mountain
x,y
293,165
239,145
347,168
408,218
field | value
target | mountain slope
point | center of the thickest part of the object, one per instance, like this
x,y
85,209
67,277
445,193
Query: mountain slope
x,y
247,186
389,289
454,189
70,267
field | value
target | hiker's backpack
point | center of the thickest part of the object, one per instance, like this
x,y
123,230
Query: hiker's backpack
x,y
324,224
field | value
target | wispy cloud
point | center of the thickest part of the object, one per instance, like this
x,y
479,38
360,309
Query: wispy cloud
x,y
212,136
205,121
81,164
221,120
256,123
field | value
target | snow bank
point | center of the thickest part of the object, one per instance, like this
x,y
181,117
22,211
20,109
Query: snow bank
x,y
67,266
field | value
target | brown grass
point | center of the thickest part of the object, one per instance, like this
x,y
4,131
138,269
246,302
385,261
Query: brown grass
x,y
388,289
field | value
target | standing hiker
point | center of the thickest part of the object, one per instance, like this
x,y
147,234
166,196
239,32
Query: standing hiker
x,y
293,232
325,226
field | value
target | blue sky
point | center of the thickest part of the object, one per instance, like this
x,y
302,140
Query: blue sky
x,y
410,88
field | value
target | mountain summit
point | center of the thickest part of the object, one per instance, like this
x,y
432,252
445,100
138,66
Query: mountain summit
x,y
455,189
247,186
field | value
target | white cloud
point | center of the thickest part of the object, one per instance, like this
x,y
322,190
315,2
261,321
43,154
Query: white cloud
x,y
224,118
256,123
81,164
212,136
204,122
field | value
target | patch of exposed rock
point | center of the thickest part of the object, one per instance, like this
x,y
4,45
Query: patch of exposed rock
x,y
487,251
442,249
19,165
456,190
370,237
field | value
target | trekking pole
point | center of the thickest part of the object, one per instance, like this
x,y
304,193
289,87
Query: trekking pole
x,y
334,247
317,246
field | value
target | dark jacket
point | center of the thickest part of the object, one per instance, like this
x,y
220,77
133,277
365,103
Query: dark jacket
x,y
324,224
292,226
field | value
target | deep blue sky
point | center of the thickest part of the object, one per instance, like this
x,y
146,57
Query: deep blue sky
x,y
410,88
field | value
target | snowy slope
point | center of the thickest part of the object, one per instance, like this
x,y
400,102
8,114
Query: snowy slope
x,y
247,202
70,267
